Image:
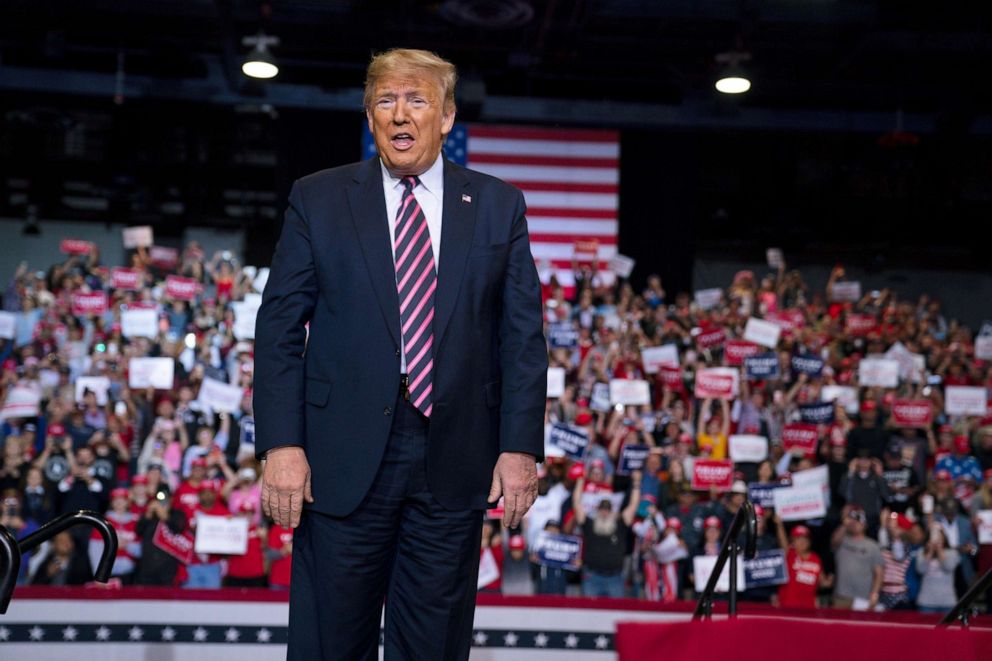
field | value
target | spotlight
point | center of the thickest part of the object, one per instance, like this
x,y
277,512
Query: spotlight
x,y
260,63
733,79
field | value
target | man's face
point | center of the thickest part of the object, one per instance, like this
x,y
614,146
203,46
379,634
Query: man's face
x,y
408,121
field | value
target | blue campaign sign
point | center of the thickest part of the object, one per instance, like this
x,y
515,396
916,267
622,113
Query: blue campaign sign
x,y
762,366
563,335
763,493
247,431
632,458
767,568
807,364
817,414
562,551
570,440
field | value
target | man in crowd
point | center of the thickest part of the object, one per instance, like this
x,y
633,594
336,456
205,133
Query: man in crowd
x,y
604,539
859,563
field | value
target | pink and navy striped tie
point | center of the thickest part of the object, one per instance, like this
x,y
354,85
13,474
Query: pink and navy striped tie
x,y
416,280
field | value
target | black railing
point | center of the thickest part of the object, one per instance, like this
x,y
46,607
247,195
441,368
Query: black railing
x,y
962,610
12,551
744,519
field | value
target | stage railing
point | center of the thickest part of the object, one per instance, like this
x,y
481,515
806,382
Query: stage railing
x,y
12,551
962,610
729,550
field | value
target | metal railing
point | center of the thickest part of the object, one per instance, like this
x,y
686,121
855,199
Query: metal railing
x,y
962,610
12,551
729,550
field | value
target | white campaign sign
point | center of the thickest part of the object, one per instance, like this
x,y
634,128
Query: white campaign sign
x,y
846,395
629,391
244,318
774,257
799,503
983,347
708,299
911,365
219,396
881,372
984,526
221,534
488,569
261,278
21,402
847,291
151,373
655,357
703,566
592,499
622,265
965,400
556,382
8,325
748,448
600,399
813,477
762,332
135,237
98,384
139,323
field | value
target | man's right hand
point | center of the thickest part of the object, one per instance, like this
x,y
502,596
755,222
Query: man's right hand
x,y
285,484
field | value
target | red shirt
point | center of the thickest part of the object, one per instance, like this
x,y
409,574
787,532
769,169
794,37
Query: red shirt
x,y
804,578
187,498
252,563
281,568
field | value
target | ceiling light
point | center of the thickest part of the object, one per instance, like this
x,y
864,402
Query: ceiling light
x,y
733,79
260,63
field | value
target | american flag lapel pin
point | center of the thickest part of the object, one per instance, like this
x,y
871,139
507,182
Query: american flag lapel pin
x,y
466,198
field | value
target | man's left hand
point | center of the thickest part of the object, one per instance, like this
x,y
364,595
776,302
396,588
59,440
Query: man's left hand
x,y
515,478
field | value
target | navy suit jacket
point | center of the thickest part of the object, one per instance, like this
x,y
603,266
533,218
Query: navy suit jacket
x,y
333,392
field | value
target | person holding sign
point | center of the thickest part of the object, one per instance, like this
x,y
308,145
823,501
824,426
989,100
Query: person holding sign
x,y
713,434
604,540
805,569
417,397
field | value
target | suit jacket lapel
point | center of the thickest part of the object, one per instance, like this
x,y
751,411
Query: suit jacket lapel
x,y
457,226
368,212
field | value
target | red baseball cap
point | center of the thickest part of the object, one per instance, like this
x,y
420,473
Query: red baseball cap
x,y
942,475
583,418
139,479
119,492
759,511
576,471
517,543
674,523
902,521
800,531
869,405
56,430
712,522
597,463
199,461
945,429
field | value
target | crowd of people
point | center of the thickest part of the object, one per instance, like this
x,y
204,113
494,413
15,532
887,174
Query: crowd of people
x,y
904,520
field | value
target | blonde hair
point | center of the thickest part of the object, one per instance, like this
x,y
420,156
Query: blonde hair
x,y
411,60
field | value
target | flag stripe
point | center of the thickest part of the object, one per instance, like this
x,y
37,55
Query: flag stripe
x,y
567,161
565,186
544,212
515,147
597,201
604,239
547,173
571,226
537,133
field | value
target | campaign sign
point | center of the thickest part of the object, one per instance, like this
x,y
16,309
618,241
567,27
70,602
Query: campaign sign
x,y
846,395
702,569
100,385
21,402
219,396
671,376
556,382
761,367
882,372
762,332
221,534
858,323
600,398
817,414
126,279
179,288
911,413
570,440
245,313
818,477
139,323
765,569
135,237
807,364
800,503
965,400
563,335
763,493
775,258
984,526
8,325
630,392
654,357
737,351
912,366
632,458
709,339
847,291
708,473
562,551
586,249
75,246
711,384
801,436
983,347
177,545
622,265
788,320
748,448
163,257
151,373
707,299
87,304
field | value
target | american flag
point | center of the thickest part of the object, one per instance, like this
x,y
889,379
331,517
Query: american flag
x,y
570,179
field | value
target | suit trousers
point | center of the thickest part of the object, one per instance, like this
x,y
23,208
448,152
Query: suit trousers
x,y
399,545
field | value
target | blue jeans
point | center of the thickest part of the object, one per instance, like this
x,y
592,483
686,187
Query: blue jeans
x,y
602,585
203,576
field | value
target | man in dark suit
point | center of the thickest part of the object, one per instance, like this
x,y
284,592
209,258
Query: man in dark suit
x,y
417,394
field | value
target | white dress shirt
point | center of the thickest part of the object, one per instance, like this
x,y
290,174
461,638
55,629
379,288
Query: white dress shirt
x,y
430,196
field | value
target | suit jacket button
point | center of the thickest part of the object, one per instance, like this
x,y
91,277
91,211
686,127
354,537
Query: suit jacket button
x,y
387,411
397,352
